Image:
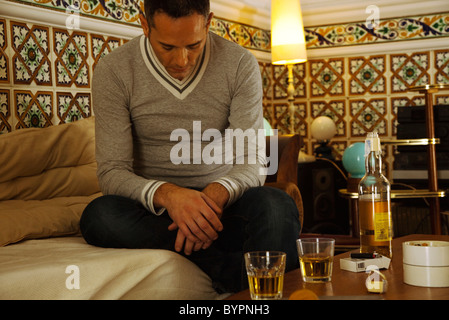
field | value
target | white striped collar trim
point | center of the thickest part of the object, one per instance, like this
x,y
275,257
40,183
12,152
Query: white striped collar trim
x,y
180,89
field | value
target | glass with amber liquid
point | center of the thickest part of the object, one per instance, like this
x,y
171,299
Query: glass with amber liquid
x,y
316,256
374,202
265,270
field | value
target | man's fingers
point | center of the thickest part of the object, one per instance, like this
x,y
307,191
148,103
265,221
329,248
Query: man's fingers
x,y
173,227
179,243
193,233
189,246
213,215
200,229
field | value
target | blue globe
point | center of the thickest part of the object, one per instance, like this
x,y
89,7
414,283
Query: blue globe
x,y
354,160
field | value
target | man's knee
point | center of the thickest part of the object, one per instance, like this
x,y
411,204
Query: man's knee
x,y
273,208
273,200
102,215
98,209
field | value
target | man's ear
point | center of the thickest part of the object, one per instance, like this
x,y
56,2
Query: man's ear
x,y
144,24
209,20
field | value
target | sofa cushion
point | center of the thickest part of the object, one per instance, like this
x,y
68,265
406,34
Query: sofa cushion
x,y
47,178
36,219
57,161
46,270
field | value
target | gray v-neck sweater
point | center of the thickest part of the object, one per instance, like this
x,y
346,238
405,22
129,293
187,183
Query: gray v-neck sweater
x,y
149,126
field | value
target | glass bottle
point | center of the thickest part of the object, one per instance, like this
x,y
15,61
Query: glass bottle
x,y
374,202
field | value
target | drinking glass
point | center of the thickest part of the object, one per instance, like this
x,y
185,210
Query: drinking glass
x,y
265,270
316,256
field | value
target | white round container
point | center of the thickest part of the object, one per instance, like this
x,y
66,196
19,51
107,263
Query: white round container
x,y
426,263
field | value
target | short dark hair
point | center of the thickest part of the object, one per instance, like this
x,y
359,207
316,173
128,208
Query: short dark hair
x,y
176,8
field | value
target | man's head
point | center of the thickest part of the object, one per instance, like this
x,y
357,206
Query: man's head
x,y
177,30
176,8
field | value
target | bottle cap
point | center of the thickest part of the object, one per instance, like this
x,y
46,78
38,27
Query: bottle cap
x,y
372,143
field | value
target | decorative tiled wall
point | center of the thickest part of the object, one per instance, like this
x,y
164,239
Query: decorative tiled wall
x,y
360,93
46,71
45,74
127,12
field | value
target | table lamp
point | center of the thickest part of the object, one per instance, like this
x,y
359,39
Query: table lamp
x,y
323,129
288,44
354,160
354,163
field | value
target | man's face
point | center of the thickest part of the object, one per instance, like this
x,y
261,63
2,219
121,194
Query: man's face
x,y
178,43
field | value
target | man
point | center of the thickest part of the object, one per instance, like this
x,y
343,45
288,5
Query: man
x,y
180,78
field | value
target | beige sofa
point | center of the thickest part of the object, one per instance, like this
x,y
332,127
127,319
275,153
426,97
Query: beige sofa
x,y
47,177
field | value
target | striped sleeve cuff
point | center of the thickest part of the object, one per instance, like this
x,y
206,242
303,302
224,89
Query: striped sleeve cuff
x,y
147,196
235,192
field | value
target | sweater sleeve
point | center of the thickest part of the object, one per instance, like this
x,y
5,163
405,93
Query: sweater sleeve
x,y
114,140
246,120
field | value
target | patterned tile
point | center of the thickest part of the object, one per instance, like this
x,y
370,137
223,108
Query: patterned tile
x,y
327,77
409,70
367,116
33,110
282,118
71,63
31,50
338,148
246,36
396,29
101,46
116,10
442,99
268,113
280,78
367,75
442,65
4,61
336,110
71,109
301,126
5,111
265,71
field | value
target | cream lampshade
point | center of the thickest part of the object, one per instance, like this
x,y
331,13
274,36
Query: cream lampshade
x,y
288,45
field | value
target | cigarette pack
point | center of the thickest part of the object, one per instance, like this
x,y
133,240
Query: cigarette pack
x,y
360,265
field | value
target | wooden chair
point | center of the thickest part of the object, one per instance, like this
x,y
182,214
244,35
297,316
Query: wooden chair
x,y
286,177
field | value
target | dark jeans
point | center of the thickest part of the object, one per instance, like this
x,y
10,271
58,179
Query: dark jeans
x,y
264,218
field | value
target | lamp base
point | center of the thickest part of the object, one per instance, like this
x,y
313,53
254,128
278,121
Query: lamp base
x,y
324,151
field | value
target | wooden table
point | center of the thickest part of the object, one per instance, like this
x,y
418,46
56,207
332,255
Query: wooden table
x,y
350,285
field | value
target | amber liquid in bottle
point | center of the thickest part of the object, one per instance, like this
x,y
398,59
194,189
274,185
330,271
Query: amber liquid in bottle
x,y
375,227
374,208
